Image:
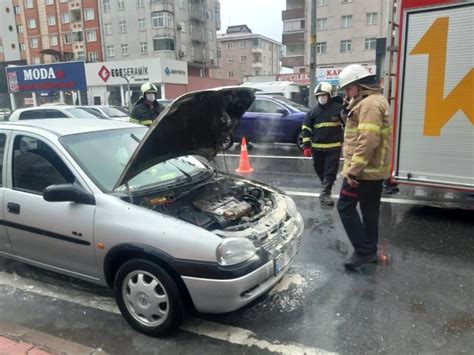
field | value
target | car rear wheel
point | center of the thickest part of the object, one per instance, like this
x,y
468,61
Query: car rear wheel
x,y
148,297
299,140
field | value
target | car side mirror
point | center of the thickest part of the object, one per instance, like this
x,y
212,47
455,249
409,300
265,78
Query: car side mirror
x,y
282,111
68,193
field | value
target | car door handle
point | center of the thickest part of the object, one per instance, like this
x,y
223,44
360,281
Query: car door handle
x,y
13,208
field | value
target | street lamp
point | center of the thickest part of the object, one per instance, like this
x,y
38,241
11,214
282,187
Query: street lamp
x,y
128,78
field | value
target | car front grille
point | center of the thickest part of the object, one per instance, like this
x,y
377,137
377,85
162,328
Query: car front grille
x,y
279,237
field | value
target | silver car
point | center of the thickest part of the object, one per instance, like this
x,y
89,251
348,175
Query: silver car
x,y
140,210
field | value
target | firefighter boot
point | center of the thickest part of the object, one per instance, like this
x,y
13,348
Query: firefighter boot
x,y
325,196
357,260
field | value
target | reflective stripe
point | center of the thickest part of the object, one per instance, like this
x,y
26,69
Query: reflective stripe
x,y
381,169
305,140
306,127
327,145
369,127
327,124
146,122
386,130
357,159
133,120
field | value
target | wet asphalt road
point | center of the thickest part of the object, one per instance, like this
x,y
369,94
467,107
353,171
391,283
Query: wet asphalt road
x,y
419,302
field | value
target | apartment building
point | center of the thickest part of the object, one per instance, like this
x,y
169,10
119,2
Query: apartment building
x,y
347,31
170,29
241,53
9,45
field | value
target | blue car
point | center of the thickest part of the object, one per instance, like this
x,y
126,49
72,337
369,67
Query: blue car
x,y
272,119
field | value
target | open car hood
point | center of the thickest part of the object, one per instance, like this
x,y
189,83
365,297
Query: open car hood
x,y
196,123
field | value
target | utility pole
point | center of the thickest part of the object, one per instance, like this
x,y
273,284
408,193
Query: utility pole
x,y
312,59
128,78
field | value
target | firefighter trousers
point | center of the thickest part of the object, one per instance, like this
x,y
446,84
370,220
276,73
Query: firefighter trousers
x,y
326,165
363,234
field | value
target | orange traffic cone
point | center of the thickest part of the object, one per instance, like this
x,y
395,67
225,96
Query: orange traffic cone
x,y
244,165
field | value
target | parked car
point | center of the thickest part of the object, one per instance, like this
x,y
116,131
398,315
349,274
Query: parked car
x,y
56,111
110,112
138,210
271,119
5,113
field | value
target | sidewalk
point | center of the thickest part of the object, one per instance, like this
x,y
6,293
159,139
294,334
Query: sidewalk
x,y
12,347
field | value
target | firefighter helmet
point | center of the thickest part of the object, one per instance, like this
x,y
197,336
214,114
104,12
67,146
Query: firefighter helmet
x,y
352,74
148,87
323,89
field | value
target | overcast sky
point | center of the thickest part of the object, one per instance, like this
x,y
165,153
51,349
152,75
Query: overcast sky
x,y
262,16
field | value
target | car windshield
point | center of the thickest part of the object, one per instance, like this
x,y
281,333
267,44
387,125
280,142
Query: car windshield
x,y
82,113
293,104
113,112
103,156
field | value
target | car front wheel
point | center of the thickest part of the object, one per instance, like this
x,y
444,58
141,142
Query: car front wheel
x,y
148,297
299,140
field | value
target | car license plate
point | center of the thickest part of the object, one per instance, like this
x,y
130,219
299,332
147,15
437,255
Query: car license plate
x,y
282,260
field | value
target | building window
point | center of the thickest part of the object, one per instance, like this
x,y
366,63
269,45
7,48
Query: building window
x,y
35,60
1,48
22,47
121,4
123,26
49,2
29,4
78,36
219,74
322,24
230,60
19,28
321,47
163,44
182,26
65,17
89,14
31,23
231,74
141,24
192,51
110,51
53,40
293,25
372,18
346,46
140,3
91,36
124,50
230,45
143,48
243,59
210,35
17,9
108,28
346,1
322,3
161,19
370,44
106,4
67,38
51,20
243,44
346,21
219,53
93,56
211,55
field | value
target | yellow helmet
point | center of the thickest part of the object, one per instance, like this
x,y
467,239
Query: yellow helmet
x,y
322,89
148,87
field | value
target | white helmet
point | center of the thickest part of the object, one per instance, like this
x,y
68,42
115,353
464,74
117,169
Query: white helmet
x,y
322,89
351,74
148,87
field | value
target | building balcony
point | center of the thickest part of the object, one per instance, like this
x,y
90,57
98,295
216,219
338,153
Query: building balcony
x,y
166,5
292,14
289,38
256,50
290,62
257,65
197,36
197,15
163,32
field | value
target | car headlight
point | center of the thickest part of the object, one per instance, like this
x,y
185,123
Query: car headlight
x,y
234,251
291,206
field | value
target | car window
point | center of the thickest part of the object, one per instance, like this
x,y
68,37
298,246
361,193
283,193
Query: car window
x,y
266,106
31,115
113,112
36,166
54,114
3,139
81,113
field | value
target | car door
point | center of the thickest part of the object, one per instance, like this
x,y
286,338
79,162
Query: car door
x,y
5,243
272,121
58,234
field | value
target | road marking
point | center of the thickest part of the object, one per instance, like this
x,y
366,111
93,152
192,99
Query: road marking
x,y
234,335
383,199
264,156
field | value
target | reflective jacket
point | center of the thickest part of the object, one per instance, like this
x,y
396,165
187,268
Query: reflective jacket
x,y
322,127
145,113
368,137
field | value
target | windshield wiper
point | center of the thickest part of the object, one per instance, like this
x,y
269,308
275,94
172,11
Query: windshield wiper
x,y
188,175
135,138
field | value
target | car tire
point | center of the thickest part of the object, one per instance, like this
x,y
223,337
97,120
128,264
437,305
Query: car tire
x,y
148,297
299,140
228,142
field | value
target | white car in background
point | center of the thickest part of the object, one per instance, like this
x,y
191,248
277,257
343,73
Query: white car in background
x,y
53,111
110,112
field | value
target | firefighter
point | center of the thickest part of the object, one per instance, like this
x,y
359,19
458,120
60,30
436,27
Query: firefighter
x,y
322,138
147,109
367,154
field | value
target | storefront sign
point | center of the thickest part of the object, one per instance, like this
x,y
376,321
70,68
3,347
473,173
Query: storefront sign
x,y
298,78
331,74
47,77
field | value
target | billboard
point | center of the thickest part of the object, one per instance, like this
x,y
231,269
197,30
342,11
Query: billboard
x,y
330,74
47,77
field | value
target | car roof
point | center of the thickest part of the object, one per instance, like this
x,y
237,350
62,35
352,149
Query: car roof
x,y
68,126
45,107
